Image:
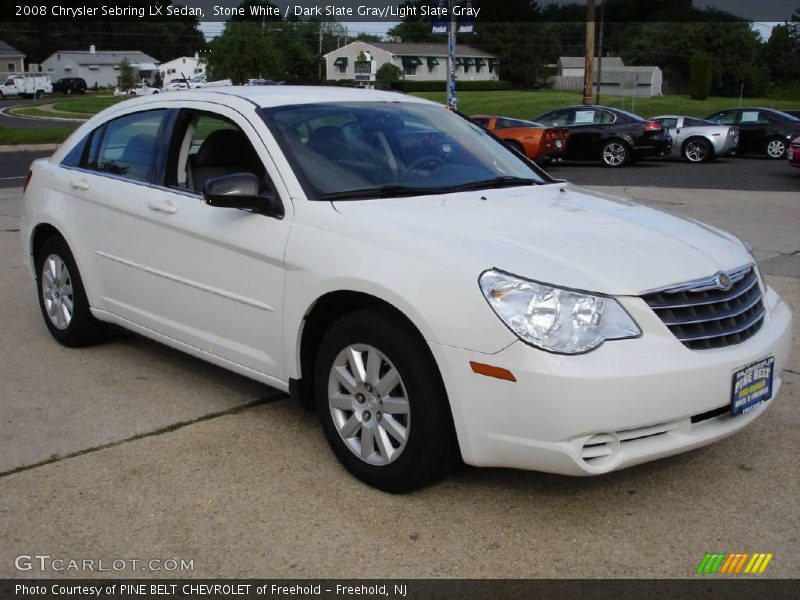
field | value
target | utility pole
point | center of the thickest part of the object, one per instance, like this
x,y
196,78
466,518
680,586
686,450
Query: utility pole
x,y
600,51
319,66
452,28
588,72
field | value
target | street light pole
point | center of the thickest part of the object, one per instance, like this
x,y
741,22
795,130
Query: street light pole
x,y
452,101
588,72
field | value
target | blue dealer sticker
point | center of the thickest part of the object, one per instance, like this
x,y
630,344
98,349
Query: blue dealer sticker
x,y
752,385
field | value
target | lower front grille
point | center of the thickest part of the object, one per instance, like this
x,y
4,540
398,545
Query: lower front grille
x,y
707,314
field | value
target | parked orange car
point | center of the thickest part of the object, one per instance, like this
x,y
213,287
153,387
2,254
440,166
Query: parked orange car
x,y
537,142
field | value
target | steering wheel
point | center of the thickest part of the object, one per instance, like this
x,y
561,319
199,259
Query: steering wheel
x,y
424,163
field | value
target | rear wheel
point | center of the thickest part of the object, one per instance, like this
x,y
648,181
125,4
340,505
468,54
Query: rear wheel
x,y
382,403
697,150
616,153
39,94
62,297
775,148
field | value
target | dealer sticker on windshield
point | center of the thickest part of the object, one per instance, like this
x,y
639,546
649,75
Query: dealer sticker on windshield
x,y
752,385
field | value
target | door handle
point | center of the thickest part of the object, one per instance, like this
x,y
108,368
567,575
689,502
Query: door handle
x,y
79,184
162,206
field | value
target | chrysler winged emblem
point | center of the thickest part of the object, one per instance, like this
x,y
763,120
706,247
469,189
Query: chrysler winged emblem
x,y
722,281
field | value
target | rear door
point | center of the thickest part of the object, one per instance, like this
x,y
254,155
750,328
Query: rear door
x,y
752,130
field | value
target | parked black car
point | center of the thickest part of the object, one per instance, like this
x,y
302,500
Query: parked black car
x,y
614,136
761,130
70,85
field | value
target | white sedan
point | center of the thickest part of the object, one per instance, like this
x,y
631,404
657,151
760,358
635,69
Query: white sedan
x,y
431,293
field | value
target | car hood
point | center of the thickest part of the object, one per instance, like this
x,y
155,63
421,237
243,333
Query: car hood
x,y
555,233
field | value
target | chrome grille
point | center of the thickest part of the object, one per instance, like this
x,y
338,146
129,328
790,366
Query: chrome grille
x,y
702,316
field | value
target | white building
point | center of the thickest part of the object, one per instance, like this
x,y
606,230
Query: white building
x,y
11,59
422,62
183,66
615,78
98,67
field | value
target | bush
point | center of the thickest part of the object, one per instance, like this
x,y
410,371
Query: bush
x,y
700,76
406,85
388,76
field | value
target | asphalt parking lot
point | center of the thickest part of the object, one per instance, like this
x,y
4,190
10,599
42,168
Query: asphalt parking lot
x,y
132,450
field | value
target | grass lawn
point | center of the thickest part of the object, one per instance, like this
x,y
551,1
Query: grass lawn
x,y
32,111
527,105
38,135
87,106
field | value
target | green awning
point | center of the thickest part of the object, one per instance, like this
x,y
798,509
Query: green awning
x,y
480,62
469,62
432,61
340,62
459,61
412,61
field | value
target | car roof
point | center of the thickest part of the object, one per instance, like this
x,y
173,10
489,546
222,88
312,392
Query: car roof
x,y
283,95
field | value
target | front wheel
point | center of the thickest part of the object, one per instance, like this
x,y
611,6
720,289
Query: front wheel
x,y
616,154
382,403
776,148
697,150
62,297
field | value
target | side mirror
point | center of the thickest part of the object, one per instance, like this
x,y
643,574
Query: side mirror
x,y
240,190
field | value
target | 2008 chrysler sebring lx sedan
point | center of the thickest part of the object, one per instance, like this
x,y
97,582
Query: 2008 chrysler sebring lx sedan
x,y
433,294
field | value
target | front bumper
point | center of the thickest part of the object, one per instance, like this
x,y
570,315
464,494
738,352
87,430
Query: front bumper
x,y
627,402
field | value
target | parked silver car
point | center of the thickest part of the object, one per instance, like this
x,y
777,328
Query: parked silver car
x,y
697,140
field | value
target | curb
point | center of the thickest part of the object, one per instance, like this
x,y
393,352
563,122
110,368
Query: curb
x,y
28,147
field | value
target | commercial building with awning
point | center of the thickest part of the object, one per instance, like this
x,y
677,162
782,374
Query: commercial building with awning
x,y
100,68
421,62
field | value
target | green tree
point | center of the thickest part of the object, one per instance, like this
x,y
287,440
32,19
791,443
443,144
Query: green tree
x,y
700,76
127,76
387,75
242,51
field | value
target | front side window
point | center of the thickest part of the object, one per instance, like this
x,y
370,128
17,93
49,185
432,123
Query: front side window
x,y
556,118
206,145
379,149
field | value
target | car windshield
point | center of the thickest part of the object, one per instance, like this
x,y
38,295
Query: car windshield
x,y
388,149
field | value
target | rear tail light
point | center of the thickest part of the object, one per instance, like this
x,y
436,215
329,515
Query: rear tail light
x,y
652,126
27,181
549,134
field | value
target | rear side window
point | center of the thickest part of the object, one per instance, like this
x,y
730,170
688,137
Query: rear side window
x,y
127,146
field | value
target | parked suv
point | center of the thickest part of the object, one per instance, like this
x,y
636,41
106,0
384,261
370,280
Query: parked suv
x,y
761,130
70,85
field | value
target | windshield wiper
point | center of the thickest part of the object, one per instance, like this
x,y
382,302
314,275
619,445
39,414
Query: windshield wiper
x,y
384,191
497,182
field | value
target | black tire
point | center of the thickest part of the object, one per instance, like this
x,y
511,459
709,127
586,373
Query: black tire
x,y
697,150
771,148
82,329
39,94
615,154
431,448
69,91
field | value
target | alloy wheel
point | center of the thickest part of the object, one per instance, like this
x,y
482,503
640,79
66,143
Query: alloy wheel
x,y
57,292
614,154
369,404
696,151
776,148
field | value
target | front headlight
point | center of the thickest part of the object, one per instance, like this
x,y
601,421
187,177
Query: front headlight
x,y
555,319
